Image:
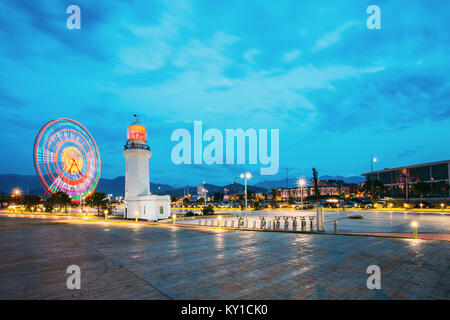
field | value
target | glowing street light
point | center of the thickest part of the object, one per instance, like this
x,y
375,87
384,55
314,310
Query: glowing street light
x,y
414,225
301,182
106,214
245,176
17,192
372,160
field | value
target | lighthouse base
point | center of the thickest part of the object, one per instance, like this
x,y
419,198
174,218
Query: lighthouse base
x,y
150,208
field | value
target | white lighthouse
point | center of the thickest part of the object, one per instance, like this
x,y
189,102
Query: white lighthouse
x,y
138,198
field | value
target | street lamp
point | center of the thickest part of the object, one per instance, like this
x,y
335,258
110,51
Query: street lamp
x,y
301,182
16,192
246,176
372,160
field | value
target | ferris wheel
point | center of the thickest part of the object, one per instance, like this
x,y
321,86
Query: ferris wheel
x,y
66,159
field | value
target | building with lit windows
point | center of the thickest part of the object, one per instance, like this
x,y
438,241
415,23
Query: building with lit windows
x,y
398,182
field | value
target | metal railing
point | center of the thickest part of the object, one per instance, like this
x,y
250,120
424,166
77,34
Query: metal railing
x,y
136,146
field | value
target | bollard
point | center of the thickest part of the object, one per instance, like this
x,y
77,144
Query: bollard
x,y
219,220
269,226
414,225
232,223
199,222
286,225
311,225
254,224
225,223
320,218
335,226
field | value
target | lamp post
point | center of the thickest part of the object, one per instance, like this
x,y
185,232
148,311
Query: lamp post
x,y
301,182
246,176
372,160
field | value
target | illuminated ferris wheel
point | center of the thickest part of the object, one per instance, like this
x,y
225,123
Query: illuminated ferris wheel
x,y
66,159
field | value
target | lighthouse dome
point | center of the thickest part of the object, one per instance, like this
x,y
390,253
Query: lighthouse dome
x,y
137,132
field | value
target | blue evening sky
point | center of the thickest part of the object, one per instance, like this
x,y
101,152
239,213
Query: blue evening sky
x,y
336,90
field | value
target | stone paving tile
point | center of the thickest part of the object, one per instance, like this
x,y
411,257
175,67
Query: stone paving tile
x,y
133,262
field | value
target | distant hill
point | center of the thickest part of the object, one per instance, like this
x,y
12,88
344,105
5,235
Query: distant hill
x,y
116,186
32,185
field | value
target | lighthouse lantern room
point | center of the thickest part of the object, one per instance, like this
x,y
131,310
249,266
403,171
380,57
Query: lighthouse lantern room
x,y
138,199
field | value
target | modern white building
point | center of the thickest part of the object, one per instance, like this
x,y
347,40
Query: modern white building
x,y
138,198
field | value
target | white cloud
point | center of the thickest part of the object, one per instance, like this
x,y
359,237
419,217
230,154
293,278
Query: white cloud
x,y
334,36
250,55
291,55
154,48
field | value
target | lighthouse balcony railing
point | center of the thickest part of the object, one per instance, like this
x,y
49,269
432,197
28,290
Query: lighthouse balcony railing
x,y
136,146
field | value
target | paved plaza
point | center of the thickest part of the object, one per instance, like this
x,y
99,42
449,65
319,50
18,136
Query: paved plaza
x,y
373,221
127,261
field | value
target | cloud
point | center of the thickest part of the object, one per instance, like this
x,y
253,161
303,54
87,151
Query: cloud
x,y
334,36
250,55
291,55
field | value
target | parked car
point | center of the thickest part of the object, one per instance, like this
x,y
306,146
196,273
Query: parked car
x,y
274,205
306,205
381,204
350,204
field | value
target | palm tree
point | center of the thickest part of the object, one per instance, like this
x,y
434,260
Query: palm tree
x,y
315,183
444,186
98,200
422,188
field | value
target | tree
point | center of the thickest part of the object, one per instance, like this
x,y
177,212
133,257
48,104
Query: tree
x,y
186,200
422,188
200,201
377,185
315,183
30,200
443,185
208,210
256,205
98,200
174,198
217,196
274,193
58,199
4,199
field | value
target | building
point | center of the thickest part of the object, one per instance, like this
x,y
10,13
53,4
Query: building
x,y
398,182
138,199
326,188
